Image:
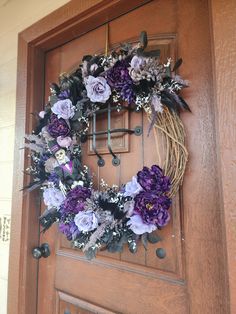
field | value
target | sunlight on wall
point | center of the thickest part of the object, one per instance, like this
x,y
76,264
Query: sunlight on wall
x,y
15,16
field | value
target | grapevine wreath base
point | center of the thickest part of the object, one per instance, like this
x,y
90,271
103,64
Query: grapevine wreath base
x,y
129,78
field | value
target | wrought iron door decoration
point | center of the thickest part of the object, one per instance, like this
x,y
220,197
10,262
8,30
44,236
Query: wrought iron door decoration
x,y
129,78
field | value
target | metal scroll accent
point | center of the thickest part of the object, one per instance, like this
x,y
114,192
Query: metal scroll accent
x,y
115,160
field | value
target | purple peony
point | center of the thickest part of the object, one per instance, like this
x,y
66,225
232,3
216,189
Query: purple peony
x,y
53,197
64,109
75,200
118,78
137,225
153,208
58,127
86,221
132,188
97,89
154,180
70,230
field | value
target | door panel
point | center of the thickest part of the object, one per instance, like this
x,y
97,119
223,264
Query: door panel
x,y
127,283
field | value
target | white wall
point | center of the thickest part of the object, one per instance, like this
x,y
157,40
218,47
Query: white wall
x,y
15,16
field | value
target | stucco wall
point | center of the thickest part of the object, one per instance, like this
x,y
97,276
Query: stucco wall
x,y
15,16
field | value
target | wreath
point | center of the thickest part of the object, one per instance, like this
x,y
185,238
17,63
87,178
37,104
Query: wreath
x,y
129,78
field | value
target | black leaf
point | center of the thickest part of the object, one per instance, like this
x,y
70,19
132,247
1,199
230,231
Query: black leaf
x,y
169,102
184,104
177,64
48,218
143,39
42,122
111,207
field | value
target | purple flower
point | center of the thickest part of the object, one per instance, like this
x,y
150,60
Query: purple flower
x,y
118,78
75,200
53,197
153,208
137,225
97,89
70,230
154,180
86,221
64,109
132,188
64,94
58,127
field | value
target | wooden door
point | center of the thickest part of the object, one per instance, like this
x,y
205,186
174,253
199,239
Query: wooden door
x,y
186,280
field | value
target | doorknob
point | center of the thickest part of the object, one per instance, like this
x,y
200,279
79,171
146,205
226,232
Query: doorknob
x,y
41,251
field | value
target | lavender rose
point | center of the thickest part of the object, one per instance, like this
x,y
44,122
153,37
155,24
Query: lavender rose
x,y
64,109
53,197
75,200
136,62
64,141
132,188
58,127
153,208
154,180
97,89
137,225
86,221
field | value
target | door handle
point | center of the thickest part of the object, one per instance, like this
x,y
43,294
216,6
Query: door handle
x,y
41,251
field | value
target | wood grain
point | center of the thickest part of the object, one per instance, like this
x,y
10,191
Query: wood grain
x,y
223,15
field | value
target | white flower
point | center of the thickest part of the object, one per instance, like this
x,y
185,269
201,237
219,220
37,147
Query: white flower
x,y
86,221
132,188
137,225
97,89
42,114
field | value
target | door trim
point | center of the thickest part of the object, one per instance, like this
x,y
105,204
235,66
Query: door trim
x,y
70,21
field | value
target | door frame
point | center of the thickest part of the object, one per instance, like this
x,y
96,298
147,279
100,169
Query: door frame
x,y
70,21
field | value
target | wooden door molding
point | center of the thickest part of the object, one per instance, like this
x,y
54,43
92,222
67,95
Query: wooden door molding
x,y
69,22
63,25
223,48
